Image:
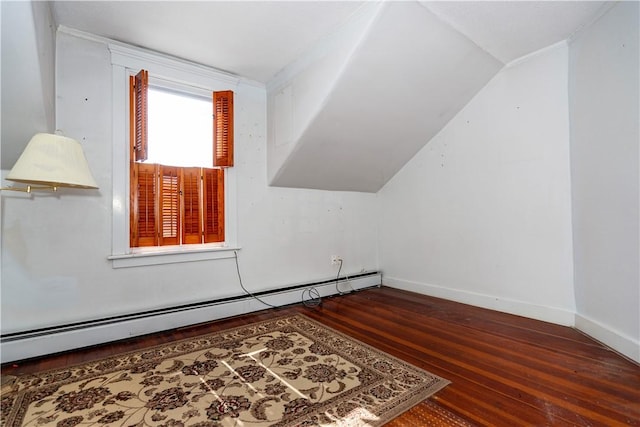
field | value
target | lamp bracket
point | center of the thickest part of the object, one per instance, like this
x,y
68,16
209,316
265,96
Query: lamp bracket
x,y
30,188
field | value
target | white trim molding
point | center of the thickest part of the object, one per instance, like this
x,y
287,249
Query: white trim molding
x,y
625,345
138,53
171,254
519,308
618,342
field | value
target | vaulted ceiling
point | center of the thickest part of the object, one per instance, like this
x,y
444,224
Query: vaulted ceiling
x,y
355,89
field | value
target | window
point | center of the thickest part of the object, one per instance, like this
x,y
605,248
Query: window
x,y
170,204
182,77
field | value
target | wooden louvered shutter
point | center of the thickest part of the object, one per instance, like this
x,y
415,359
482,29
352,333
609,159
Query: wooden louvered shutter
x,y
169,204
223,128
143,227
213,194
138,89
191,206
144,206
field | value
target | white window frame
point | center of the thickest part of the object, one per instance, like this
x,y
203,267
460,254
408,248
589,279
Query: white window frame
x,y
126,61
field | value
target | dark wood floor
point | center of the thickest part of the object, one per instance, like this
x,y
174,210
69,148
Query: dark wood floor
x,y
505,370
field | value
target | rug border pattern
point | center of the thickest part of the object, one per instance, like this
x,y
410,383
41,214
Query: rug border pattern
x,y
180,347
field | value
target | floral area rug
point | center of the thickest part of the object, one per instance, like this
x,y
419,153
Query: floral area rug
x,y
289,371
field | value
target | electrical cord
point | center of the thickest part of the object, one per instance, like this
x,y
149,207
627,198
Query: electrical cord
x,y
242,285
313,299
338,276
346,277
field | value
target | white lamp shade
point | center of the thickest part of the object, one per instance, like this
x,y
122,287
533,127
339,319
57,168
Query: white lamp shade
x,y
53,160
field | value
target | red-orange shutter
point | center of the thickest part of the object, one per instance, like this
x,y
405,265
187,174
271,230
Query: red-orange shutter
x,y
138,96
143,180
169,205
191,206
223,128
144,192
213,194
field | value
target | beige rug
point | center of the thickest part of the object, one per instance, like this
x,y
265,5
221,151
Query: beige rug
x,y
290,371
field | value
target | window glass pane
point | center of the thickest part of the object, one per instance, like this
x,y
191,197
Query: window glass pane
x,y
180,129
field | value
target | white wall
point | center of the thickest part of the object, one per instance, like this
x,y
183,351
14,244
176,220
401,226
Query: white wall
x,y
604,99
55,247
482,213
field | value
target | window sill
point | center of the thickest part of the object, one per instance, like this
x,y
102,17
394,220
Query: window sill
x,y
171,254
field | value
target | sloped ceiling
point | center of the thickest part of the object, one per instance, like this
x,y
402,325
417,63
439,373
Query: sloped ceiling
x,y
389,98
354,88
27,75
511,29
415,66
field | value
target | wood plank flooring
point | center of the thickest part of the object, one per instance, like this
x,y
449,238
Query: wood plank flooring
x,y
505,370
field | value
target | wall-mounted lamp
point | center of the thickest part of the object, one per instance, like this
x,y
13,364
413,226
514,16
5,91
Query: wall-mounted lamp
x,y
51,161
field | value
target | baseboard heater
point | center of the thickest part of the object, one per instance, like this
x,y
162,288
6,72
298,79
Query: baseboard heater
x,y
44,341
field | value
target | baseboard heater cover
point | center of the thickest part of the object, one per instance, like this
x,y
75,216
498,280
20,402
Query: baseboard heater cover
x,y
45,341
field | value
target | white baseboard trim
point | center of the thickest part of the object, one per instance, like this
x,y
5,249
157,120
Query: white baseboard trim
x,y
547,314
622,344
14,349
